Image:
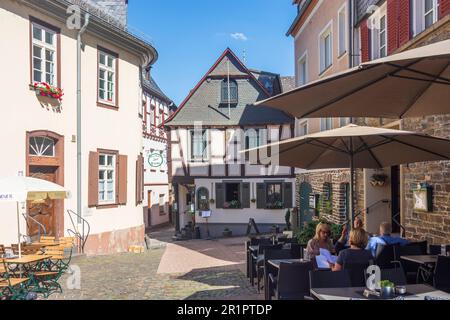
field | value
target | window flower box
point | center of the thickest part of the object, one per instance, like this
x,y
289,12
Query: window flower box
x,y
235,204
43,89
276,205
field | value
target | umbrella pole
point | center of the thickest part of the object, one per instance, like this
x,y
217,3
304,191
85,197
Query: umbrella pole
x,y
352,183
18,230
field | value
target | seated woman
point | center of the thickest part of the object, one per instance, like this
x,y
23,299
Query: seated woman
x,y
357,252
322,240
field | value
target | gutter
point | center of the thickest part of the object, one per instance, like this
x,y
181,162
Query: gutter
x,y
79,128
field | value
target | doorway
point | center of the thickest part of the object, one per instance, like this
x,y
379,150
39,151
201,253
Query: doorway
x,y
395,197
149,208
45,160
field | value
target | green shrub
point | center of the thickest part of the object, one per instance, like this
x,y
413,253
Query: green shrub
x,y
308,232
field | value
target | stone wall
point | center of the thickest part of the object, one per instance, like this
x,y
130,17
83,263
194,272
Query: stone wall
x,y
337,179
434,226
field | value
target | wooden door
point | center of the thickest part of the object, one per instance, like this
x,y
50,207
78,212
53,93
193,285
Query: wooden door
x,y
43,212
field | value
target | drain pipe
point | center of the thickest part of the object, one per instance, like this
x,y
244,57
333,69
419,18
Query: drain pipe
x,y
79,173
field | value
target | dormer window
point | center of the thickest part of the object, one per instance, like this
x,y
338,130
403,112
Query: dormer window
x,y
229,92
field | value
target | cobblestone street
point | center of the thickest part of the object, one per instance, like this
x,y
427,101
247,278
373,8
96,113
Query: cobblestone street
x,y
193,270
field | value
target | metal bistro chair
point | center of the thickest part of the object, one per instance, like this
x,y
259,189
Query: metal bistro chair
x,y
435,250
292,282
411,269
385,256
12,288
396,276
441,277
264,270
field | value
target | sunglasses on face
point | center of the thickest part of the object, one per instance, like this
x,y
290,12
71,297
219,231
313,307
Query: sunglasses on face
x,y
325,232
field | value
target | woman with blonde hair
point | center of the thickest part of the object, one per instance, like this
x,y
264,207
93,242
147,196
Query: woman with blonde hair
x,y
357,252
322,240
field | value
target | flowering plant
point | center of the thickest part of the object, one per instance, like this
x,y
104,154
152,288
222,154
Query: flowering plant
x,y
45,90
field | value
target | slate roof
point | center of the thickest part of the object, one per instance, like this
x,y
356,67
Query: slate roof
x,y
287,84
152,87
204,102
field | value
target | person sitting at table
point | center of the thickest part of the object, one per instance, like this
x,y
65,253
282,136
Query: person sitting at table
x,y
356,253
343,241
322,240
385,238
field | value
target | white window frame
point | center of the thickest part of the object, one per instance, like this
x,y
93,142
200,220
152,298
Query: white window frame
x,y
357,54
44,46
326,124
40,150
302,65
342,42
376,33
419,15
107,69
327,31
107,168
302,125
204,158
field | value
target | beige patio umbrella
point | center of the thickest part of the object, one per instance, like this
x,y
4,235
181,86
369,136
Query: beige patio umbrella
x,y
413,83
21,189
354,147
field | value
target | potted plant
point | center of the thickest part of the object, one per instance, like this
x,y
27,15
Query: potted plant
x,y
235,204
253,200
43,89
227,233
274,229
387,288
212,201
275,205
379,179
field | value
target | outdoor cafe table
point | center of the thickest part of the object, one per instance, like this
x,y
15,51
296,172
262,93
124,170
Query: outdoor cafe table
x,y
422,260
413,292
25,265
277,263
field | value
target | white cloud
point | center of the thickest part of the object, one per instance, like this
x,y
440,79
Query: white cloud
x,y
239,36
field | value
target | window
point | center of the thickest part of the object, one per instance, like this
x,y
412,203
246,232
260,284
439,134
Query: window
x,y
162,204
342,21
344,121
107,86
303,129
357,47
326,52
232,196
274,196
107,178
430,12
42,147
425,13
44,62
231,88
303,70
378,33
326,124
199,145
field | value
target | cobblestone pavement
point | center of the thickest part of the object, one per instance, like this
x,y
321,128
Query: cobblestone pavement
x,y
194,270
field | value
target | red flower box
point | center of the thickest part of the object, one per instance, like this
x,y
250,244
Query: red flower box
x,y
43,89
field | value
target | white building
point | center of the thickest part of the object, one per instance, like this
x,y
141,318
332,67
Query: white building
x,y
206,171
40,133
157,108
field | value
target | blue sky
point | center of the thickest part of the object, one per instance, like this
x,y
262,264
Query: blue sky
x,y
190,35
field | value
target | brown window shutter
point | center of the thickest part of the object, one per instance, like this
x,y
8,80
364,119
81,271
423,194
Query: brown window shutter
x,y
93,180
122,179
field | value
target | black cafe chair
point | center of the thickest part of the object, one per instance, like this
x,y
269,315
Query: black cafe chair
x,y
357,273
396,276
264,270
329,279
441,277
258,259
385,256
436,249
292,282
410,268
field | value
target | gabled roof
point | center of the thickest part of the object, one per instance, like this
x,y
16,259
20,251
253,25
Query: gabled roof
x,y
151,86
203,104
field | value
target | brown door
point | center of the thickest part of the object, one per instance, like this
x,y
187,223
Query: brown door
x,y
43,212
149,207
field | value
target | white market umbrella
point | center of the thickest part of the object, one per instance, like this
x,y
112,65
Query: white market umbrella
x,y
21,189
354,147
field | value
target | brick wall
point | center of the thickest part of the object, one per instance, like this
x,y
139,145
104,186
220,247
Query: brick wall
x,y
434,226
444,8
365,42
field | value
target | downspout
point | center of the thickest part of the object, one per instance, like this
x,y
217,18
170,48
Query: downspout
x,y
351,35
79,153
